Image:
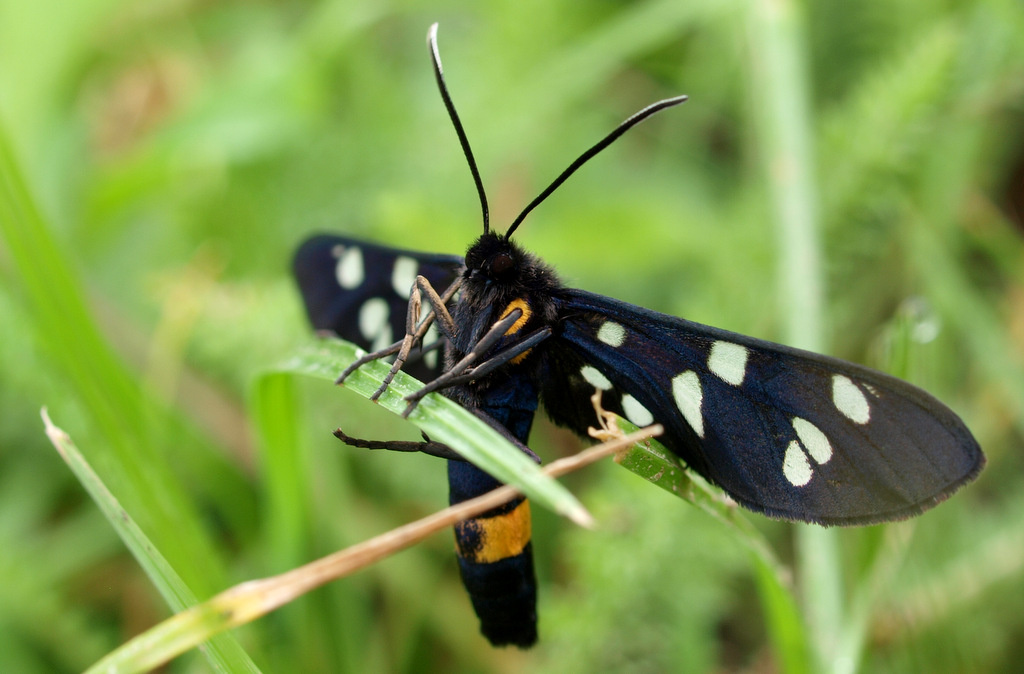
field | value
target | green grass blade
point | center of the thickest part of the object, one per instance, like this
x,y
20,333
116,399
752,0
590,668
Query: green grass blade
x,y
284,465
782,93
223,652
443,421
654,463
131,459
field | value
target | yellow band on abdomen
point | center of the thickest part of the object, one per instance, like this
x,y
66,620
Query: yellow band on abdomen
x,y
492,539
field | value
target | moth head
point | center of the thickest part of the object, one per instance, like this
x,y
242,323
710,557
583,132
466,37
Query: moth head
x,y
494,259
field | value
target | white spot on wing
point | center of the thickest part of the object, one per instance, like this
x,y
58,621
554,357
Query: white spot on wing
x,y
611,333
595,378
689,398
431,357
373,323
432,335
403,275
795,466
384,338
728,362
850,400
813,440
636,412
349,269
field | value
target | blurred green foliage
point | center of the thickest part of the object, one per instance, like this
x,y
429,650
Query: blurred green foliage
x,y
160,161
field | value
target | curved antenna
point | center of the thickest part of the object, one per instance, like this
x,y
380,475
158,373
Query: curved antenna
x,y
635,119
435,56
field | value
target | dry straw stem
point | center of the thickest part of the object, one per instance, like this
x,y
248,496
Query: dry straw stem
x,y
250,600
277,590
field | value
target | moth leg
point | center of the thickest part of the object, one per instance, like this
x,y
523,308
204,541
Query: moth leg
x,y
439,303
432,346
414,333
460,375
366,358
412,317
608,422
490,338
494,362
428,446
397,346
486,342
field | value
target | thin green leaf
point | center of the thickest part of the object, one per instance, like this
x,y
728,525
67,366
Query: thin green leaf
x,y
653,462
781,89
443,421
223,652
253,599
132,458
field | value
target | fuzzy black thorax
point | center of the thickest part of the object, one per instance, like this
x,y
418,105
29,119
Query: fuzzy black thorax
x,y
499,276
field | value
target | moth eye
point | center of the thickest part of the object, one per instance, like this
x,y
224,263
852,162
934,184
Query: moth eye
x,y
501,265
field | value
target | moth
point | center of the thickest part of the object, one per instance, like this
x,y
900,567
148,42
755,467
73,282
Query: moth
x,y
788,433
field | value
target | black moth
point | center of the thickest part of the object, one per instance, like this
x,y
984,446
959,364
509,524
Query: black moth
x,y
788,433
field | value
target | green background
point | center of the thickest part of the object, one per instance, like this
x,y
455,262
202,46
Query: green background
x,y
845,176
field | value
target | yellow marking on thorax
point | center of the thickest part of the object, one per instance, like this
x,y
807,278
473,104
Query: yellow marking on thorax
x,y
518,303
500,537
521,357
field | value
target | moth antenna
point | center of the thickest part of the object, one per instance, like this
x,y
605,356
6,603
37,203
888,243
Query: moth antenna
x,y
622,128
435,56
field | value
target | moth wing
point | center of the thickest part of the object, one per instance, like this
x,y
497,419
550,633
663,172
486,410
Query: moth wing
x,y
360,292
786,432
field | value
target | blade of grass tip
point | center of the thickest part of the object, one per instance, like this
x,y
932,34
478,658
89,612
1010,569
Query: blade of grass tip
x,y
783,116
248,601
223,653
443,421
